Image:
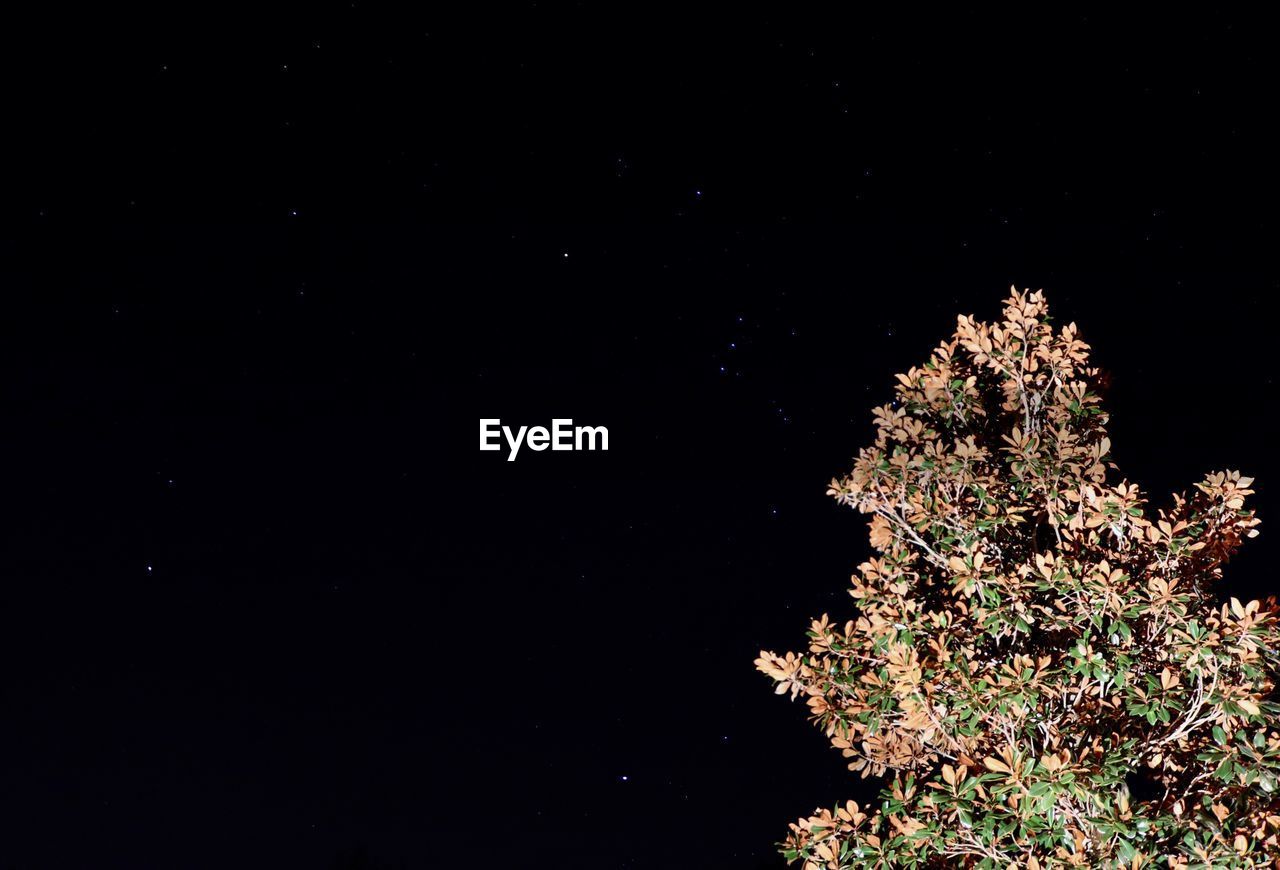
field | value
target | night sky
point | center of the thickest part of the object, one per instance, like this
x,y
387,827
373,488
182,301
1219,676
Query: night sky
x,y
263,601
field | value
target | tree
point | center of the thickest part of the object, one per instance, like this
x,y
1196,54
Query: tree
x,y
1031,639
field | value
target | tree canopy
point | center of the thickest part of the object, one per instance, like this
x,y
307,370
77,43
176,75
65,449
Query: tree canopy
x,y
1031,638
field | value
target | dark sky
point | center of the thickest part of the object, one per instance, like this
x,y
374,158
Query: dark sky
x,y
263,601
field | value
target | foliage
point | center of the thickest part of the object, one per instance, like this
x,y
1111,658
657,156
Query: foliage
x,y
1031,638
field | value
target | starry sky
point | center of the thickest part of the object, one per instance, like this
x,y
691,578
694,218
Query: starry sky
x,y
264,602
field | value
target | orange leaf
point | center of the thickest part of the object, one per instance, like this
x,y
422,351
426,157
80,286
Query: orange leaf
x,y
995,764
